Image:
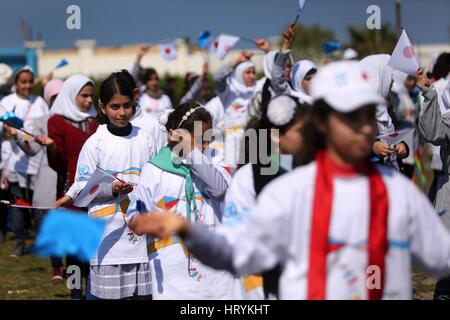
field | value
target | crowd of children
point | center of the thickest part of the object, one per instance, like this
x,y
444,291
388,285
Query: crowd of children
x,y
277,188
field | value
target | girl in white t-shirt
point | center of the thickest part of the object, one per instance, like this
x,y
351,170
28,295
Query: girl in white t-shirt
x,y
120,269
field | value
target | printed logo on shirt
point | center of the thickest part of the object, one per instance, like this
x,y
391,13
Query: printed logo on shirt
x,y
351,279
236,106
198,196
132,237
167,202
83,172
131,170
233,216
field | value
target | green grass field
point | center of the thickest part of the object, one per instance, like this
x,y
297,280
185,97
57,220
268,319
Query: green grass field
x,y
28,277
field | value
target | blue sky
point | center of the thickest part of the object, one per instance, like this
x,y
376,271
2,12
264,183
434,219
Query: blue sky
x,y
114,23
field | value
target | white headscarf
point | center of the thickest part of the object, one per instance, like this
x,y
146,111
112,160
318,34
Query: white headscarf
x,y
65,103
380,75
268,62
299,70
237,81
379,72
16,74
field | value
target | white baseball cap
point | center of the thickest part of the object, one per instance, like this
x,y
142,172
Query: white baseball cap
x,y
344,86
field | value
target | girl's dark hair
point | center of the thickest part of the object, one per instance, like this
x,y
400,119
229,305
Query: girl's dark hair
x,y
16,77
189,80
265,124
310,73
442,66
177,115
148,74
116,83
318,113
129,78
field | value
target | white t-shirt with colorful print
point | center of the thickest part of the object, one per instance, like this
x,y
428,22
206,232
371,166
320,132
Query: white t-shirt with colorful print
x,y
123,157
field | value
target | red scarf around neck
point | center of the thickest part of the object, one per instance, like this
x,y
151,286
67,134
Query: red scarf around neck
x,y
377,248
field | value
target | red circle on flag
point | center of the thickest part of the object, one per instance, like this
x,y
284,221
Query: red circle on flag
x,y
409,52
168,50
393,135
216,44
94,188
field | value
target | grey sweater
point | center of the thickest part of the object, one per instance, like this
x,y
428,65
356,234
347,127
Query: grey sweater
x,y
435,128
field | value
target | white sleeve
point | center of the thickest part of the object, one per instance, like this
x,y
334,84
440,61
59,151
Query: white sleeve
x,y
165,101
430,240
256,244
240,197
261,239
214,175
88,161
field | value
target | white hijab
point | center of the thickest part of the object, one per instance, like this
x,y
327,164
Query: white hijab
x,y
268,62
299,70
65,103
380,75
237,81
379,72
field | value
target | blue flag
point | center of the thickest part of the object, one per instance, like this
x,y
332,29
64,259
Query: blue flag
x,y
301,5
12,120
65,232
62,63
204,39
331,46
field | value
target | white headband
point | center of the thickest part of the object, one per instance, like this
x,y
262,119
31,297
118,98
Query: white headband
x,y
187,114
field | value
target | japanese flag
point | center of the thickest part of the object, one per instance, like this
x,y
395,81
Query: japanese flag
x,y
168,50
395,137
99,180
222,45
301,5
404,57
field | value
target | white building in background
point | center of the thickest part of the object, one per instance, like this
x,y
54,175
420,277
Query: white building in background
x,y
94,61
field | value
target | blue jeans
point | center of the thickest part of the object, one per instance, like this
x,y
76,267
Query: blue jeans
x,y
21,218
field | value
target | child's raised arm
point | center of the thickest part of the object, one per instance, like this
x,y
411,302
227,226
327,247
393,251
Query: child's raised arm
x,y
221,75
432,124
214,176
278,81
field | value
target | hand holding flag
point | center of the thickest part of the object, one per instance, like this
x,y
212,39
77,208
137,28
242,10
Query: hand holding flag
x,y
101,180
395,137
222,45
11,120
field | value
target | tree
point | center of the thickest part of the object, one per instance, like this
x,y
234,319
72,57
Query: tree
x,y
368,42
308,42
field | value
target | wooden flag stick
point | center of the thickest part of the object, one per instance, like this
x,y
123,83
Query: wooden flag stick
x,y
296,19
32,135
